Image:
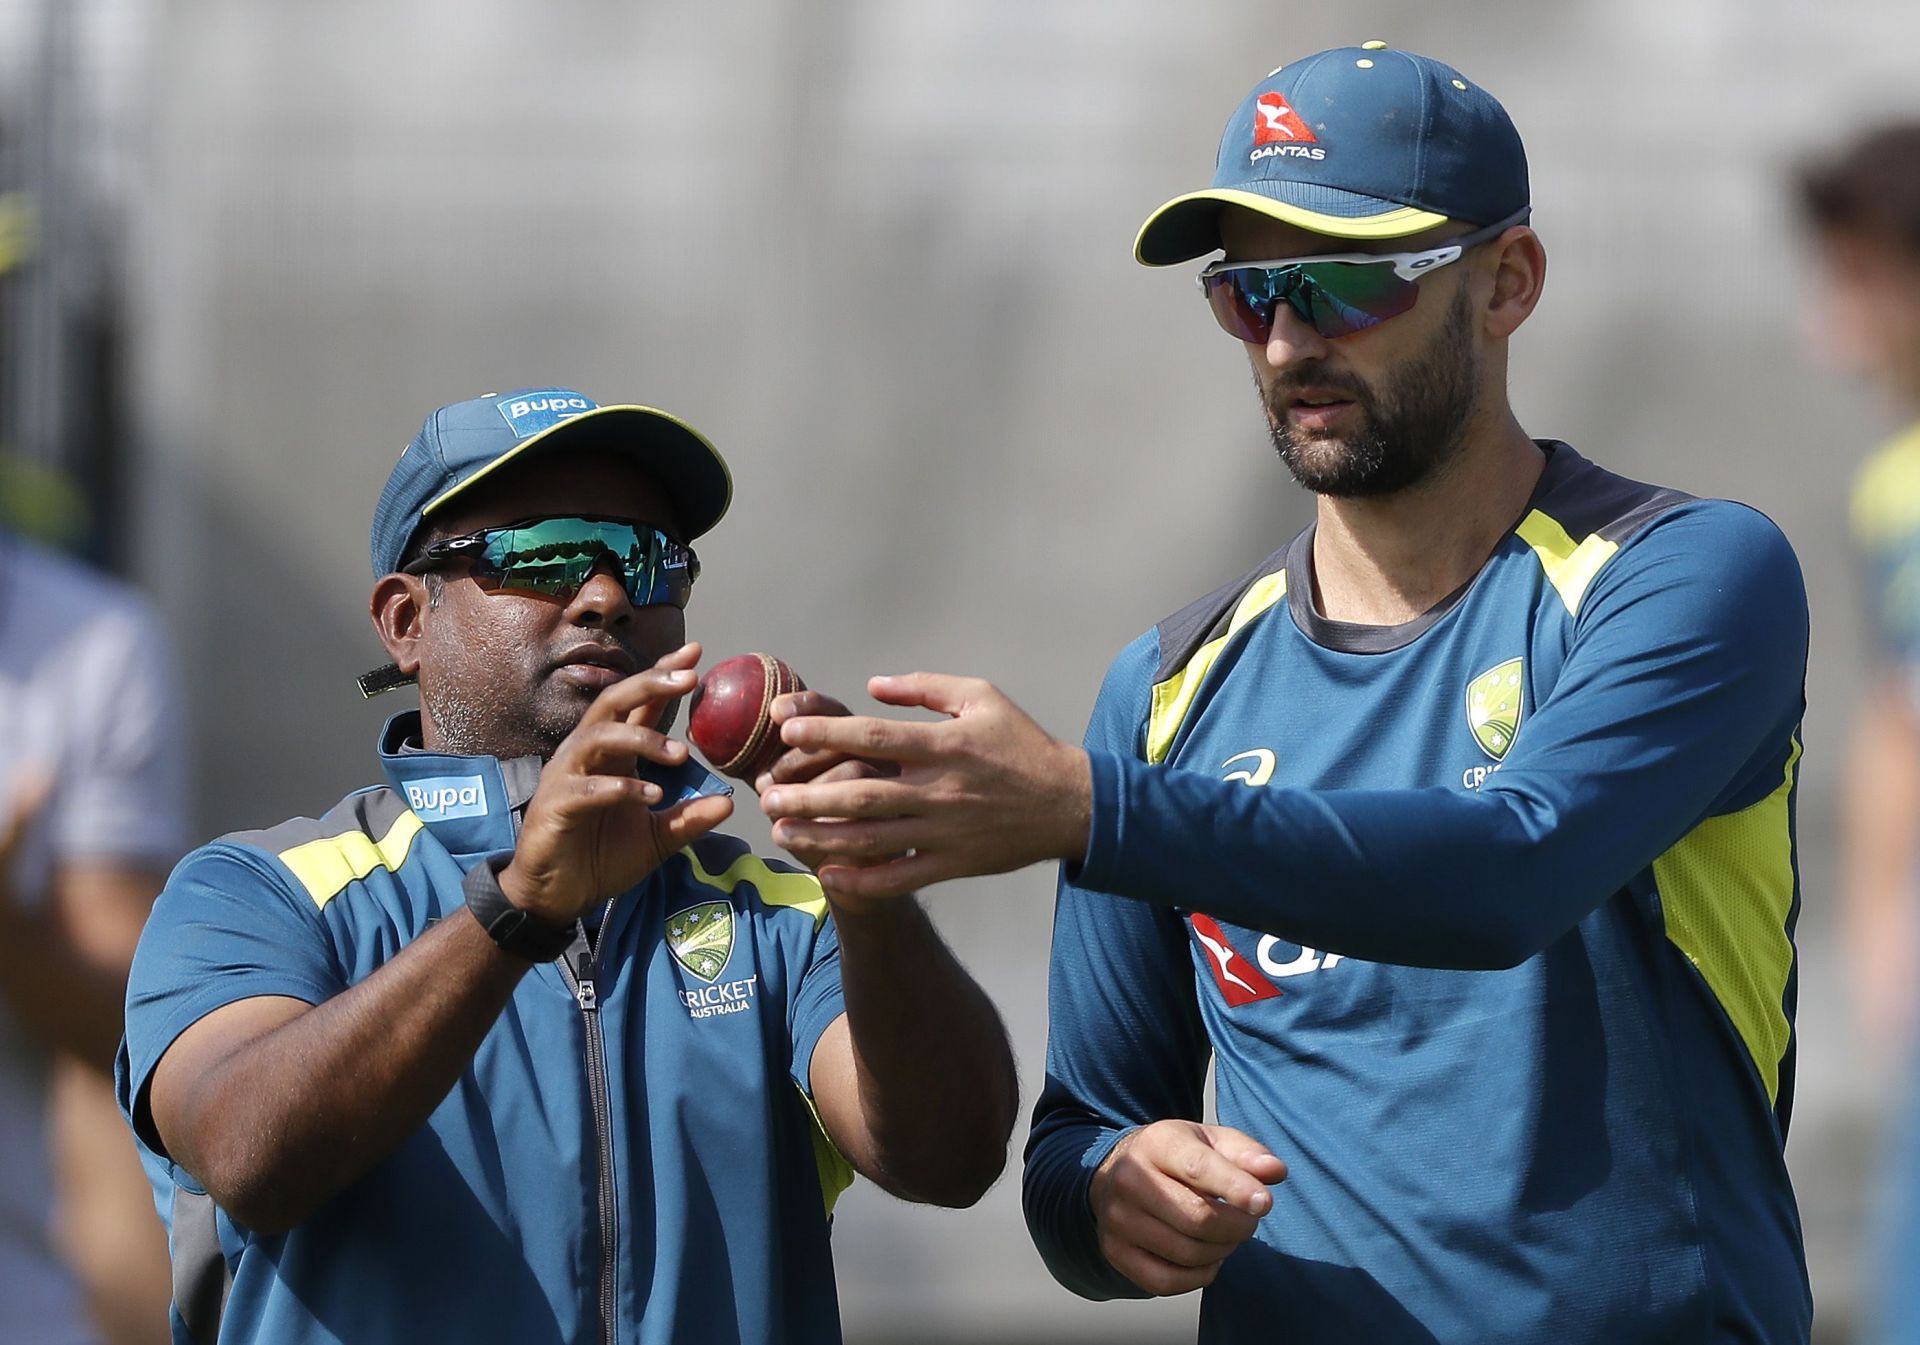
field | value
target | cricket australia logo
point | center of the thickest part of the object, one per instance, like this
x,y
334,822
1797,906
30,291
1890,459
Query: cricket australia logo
x,y
1495,704
701,938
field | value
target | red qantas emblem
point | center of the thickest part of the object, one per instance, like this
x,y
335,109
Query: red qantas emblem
x,y
1236,977
1275,120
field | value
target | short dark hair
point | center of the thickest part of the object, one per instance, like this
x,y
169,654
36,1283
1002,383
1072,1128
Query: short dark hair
x,y
1872,187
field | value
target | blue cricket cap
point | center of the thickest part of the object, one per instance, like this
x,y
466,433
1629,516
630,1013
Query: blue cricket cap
x,y
468,441
1357,142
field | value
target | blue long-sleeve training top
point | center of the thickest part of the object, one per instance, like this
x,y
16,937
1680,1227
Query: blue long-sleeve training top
x,y
1485,922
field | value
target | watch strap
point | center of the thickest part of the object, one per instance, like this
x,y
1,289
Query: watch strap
x,y
517,931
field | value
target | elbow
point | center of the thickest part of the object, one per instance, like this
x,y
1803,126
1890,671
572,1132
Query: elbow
x,y
258,1203
961,1169
252,1190
966,1182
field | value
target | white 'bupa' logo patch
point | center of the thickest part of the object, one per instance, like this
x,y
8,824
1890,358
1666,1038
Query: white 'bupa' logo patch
x,y
444,797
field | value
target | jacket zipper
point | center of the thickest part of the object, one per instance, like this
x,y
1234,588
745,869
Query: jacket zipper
x,y
583,982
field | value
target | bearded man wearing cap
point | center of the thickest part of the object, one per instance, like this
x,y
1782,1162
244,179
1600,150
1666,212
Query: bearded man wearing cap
x,y
1457,834
514,1046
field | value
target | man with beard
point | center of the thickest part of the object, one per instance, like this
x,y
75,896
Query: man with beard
x,y
514,1046
1458,834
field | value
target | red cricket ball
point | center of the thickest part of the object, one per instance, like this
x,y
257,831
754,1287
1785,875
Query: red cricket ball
x,y
729,713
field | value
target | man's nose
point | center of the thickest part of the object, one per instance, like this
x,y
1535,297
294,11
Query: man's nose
x,y
601,601
1293,340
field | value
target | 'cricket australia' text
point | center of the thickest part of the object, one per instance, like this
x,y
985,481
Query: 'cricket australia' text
x,y
712,1000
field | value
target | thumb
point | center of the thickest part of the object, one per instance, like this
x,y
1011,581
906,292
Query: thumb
x,y
1247,1153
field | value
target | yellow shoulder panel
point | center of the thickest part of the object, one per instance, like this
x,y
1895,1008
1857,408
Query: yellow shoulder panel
x,y
326,866
1725,891
1570,565
799,890
1174,697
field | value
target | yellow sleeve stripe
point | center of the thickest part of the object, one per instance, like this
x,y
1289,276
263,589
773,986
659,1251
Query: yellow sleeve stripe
x,y
1570,566
324,867
1174,697
836,1173
798,890
1725,891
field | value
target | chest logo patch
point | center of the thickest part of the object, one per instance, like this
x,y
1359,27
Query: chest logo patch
x,y
701,938
1495,702
1239,982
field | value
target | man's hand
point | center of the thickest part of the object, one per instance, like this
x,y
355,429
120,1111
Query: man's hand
x,y
798,765
984,791
1174,1199
590,830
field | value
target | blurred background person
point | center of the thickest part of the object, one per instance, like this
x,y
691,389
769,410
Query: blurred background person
x,y
1863,205
91,755
93,789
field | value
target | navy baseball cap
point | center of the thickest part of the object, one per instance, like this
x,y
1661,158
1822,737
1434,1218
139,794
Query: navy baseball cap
x,y
1357,142
468,441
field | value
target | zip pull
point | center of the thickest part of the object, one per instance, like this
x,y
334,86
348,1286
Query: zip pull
x,y
589,998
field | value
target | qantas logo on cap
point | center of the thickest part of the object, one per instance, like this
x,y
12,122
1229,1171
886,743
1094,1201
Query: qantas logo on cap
x,y
1236,977
1275,122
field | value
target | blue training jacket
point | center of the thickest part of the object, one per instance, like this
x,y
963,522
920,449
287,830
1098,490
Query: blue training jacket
x,y
1486,924
632,1155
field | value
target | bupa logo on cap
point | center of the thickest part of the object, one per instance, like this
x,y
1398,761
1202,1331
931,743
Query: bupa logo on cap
x,y
445,797
528,413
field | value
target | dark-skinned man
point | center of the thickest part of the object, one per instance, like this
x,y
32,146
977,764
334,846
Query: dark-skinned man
x,y
515,1046
1457,835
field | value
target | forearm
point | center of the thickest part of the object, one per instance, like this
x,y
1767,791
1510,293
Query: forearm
x,y
1428,877
1066,1146
289,1118
932,1072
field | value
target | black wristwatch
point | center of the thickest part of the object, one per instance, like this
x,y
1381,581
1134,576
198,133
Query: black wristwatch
x,y
520,933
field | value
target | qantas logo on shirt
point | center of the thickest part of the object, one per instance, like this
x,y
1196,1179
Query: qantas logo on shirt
x,y
1239,982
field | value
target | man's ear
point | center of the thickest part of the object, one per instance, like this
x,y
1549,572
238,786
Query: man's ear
x,y
1519,276
399,611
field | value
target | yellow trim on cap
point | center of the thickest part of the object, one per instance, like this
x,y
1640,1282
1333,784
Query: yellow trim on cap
x,y
1395,223
451,491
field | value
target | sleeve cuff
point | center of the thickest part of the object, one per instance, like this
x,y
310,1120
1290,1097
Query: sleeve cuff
x,y
1101,868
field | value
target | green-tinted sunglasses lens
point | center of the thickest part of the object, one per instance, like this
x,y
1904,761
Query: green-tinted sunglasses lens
x,y
1340,298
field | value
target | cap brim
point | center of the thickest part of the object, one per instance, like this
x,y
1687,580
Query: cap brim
x,y
663,446
1189,226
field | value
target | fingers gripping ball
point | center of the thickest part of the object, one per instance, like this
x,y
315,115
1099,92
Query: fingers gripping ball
x,y
729,717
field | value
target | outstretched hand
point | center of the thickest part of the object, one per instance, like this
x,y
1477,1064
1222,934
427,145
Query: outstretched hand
x,y
591,830
984,790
